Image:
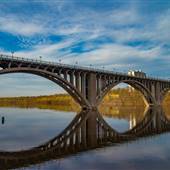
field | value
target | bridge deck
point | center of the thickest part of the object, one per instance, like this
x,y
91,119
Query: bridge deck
x,y
71,67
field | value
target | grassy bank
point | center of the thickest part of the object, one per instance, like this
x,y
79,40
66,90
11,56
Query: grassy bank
x,y
115,98
62,102
115,103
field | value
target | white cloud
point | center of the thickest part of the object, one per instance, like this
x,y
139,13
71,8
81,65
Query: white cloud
x,y
162,28
15,26
124,16
121,25
113,53
47,51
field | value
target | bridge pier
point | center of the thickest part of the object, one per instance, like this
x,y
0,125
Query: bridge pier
x,y
156,92
77,77
91,123
83,134
83,84
91,130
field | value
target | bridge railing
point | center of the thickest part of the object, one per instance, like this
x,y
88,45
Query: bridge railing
x,y
86,68
38,61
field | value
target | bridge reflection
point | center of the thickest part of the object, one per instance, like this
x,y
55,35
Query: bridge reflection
x,y
79,136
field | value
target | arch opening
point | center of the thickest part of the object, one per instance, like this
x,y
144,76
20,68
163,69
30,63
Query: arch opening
x,y
123,106
165,97
59,80
148,98
44,119
165,101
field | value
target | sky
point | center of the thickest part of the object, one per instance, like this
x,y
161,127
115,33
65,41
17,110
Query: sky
x,y
120,35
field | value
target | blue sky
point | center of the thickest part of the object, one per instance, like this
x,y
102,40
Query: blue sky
x,y
119,35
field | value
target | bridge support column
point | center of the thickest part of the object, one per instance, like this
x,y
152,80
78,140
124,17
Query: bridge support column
x,y
72,78
91,129
98,85
65,75
158,118
156,92
103,82
83,84
77,77
83,134
153,90
91,124
92,89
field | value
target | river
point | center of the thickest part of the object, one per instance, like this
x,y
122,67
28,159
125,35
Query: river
x,y
24,128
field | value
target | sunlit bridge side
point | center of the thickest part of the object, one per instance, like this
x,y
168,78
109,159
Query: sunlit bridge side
x,y
86,85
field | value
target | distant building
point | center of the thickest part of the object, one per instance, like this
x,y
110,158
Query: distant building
x,y
137,73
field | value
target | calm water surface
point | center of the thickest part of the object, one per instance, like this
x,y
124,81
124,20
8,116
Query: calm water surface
x,y
146,154
25,128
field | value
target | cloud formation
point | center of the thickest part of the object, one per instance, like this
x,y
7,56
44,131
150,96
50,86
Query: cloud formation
x,y
122,36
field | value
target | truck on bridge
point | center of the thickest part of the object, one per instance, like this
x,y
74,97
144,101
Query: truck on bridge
x,y
137,73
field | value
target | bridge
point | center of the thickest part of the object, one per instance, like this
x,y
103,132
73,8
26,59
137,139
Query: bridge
x,y
87,86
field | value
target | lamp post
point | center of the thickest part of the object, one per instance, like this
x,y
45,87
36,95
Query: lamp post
x,y
12,52
40,57
76,63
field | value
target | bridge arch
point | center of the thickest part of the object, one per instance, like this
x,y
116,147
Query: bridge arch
x,y
52,77
148,97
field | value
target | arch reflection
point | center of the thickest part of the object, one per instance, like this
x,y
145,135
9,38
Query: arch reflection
x,y
78,137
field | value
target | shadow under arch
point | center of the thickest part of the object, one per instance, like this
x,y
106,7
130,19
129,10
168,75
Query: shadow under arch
x,y
147,96
54,78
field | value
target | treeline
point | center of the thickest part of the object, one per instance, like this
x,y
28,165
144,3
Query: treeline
x,y
62,102
118,102
118,97
166,100
123,97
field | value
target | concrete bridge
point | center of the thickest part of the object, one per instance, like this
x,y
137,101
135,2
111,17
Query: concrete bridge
x,y
87,86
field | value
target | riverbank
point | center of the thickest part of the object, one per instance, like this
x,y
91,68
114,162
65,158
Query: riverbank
x,y
117,98
61,102
116,101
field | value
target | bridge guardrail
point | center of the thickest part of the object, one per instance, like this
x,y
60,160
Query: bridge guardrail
x,y
38,61
59,64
